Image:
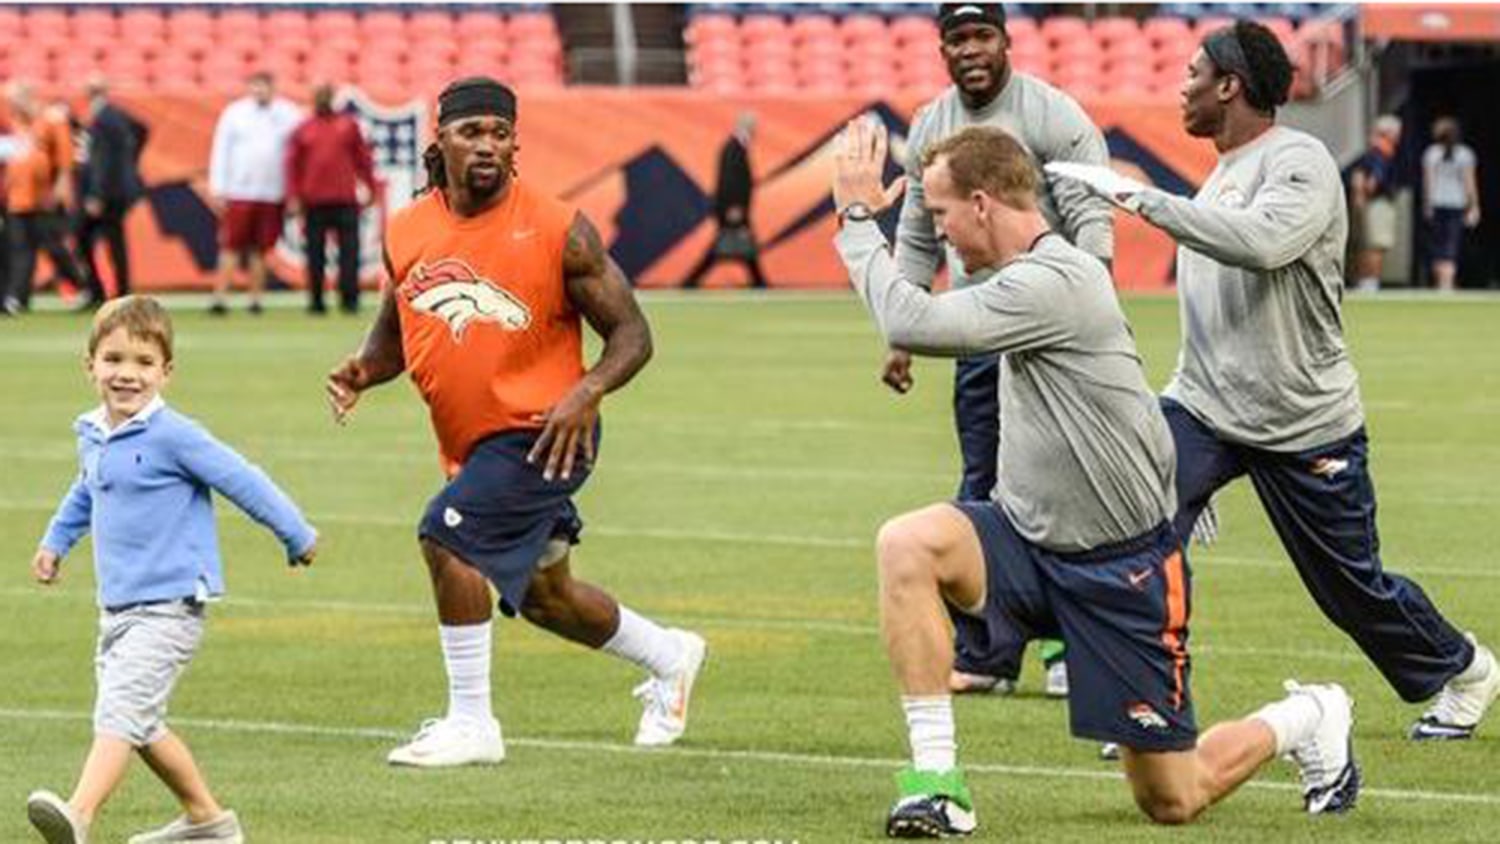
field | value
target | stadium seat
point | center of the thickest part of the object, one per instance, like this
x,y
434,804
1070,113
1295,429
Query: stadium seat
x,y
525,26
238,23
1064,29
334,24
1111,29
1206,25
375,24
94,23
430,24
478,25
180,21
1021,30
763,27
45,22
710,26
1162,31
816,29
1077,50
915,30
859,28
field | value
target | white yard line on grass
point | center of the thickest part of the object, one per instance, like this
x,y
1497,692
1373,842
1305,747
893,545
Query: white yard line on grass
x,y
765,756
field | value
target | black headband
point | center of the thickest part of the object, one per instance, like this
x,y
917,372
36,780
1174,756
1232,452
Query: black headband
x,y
477,96
1222,47
953,15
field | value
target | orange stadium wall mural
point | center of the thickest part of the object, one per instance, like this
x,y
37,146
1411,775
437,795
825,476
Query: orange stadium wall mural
x,y
641,164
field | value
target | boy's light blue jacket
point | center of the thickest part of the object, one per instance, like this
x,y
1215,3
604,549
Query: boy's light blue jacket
x,y
143,491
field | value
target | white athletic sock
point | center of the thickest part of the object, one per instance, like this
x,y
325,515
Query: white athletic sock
x,y
466,655
645,643
1478,668
929,723
1293,719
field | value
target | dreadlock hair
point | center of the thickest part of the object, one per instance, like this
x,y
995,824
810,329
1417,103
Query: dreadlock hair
x,y
1269,65
437,174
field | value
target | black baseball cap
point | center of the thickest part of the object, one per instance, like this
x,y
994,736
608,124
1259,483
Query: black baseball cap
x,y
953,15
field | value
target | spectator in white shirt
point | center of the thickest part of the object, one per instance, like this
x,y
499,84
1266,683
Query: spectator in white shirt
x,y
247,184
1450,199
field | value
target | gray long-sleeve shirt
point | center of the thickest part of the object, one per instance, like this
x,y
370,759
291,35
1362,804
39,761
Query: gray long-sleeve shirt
x,y
1052,127
1087,459
1260,280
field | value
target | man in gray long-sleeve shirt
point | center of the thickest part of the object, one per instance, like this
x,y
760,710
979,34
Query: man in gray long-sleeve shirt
x,y
1265,387
1051,126
1078,542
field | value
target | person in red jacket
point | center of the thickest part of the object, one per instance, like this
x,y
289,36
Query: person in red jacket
x,y
326,161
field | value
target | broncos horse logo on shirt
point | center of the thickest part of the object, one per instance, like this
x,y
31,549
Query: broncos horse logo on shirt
x,y
450,290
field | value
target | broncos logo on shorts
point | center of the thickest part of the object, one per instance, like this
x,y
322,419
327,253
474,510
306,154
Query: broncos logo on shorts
x,y
450,290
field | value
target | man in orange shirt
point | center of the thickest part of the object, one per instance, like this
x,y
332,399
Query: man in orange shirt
x,y
36,195
490,279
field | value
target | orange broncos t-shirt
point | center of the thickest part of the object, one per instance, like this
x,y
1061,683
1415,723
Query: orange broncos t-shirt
x,y
489,335
46,150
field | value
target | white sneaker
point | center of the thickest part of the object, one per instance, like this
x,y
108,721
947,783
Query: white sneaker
x,y
1330,776
964,683
225,829
450,742
55,819
666,698
1463,701
1057,679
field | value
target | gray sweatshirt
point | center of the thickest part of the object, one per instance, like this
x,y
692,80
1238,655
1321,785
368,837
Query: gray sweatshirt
x,y
1087,458
1052,127
1260,279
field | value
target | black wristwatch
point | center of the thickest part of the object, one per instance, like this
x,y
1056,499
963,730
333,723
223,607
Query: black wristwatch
x,y
855,212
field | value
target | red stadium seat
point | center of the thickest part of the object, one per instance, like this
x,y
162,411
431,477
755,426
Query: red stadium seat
x,y
93,23
1021,29
179,22
1135,51
710,26
524,26
45,22
331,67
238,23
1065,29
817,29
1076,50
432,45
914,30
376,24
758,27
430,24
1206,25
31,62
859,28
471,63
1112,29
334,23
479,26
1167,30
288,24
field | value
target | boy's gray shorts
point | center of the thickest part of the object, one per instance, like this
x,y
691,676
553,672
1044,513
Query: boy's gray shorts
x,y
142,651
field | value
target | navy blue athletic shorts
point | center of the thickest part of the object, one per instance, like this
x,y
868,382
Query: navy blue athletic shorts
x,y
1122,610
498,514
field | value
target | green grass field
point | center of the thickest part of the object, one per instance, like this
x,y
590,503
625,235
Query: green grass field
x,y
742,479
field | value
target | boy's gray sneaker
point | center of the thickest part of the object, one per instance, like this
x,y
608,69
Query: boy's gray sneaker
x,y
225,829
55,819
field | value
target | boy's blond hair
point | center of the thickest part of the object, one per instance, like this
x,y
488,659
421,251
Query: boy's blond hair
x,y
988,159
142,318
